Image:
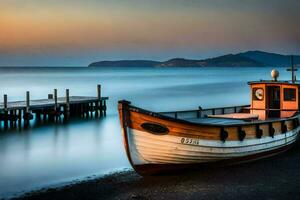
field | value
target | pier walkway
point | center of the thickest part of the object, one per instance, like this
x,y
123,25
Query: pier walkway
x,y
19,113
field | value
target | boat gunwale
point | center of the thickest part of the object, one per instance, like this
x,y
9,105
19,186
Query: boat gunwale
x,y
173,119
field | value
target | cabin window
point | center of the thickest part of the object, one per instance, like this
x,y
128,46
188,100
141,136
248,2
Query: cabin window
x,y
289,94
258,94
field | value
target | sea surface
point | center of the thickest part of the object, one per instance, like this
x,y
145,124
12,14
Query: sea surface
x,y
52,155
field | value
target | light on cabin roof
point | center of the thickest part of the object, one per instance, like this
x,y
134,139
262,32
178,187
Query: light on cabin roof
x,y
274,74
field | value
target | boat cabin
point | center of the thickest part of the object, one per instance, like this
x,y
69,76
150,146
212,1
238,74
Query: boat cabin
x,y
274,99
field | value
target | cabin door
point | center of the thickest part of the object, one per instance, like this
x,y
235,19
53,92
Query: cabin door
x,y
273,101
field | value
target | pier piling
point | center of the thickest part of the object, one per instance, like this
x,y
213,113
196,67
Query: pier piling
x,y
5,114
97,106
99,92
27,115
67,106
54,114
5,102
27,101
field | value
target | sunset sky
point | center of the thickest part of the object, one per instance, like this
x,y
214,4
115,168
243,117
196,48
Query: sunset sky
x,y
77,32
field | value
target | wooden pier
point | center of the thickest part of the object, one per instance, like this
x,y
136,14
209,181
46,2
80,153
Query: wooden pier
x,y
18,114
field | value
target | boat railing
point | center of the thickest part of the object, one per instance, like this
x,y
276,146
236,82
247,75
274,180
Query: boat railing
x,y
200,112
183,115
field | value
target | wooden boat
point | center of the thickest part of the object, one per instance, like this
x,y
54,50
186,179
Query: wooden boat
x,y
163,142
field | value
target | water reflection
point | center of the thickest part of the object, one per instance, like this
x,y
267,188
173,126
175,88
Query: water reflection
x,y
48,155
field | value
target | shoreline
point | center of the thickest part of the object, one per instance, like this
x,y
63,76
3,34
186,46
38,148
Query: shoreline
x,y
277,177
62,184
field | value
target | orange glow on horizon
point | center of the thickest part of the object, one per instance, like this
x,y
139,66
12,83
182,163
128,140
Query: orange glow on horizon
x,y
49,26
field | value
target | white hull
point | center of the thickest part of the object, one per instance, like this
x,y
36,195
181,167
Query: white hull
x,y
146,148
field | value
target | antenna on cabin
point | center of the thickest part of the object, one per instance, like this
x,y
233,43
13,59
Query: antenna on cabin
x,y
293,70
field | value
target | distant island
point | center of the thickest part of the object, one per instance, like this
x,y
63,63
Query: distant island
x,y
245,59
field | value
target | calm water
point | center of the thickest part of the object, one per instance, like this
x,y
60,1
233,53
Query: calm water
x,y
57,154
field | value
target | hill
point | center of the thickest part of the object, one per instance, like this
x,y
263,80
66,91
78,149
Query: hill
x,y
271,59
229,60
125,63
245,59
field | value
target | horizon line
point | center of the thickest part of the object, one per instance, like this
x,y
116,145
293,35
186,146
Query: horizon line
x,y
112,60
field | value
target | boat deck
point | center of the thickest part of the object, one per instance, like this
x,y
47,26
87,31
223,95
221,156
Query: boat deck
x,y
236,115
212,121
227,121
242,116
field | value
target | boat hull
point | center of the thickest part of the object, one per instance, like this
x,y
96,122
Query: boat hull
x,y
187,145
152,155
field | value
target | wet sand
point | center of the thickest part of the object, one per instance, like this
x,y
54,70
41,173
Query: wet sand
x,y
273,178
